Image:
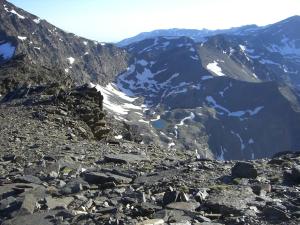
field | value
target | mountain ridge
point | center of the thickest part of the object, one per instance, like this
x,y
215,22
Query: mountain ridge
x,y
36,38
196,34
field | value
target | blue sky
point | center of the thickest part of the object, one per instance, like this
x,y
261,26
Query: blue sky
x,y
114,20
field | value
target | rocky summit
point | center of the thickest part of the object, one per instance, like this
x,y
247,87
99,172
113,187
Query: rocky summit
x,y
61,163
175,127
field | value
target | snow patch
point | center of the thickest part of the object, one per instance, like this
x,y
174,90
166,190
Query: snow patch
x,y
214,67
142,62
143,121
115,100
287,47
254,75
22,38
170,145
181,123
71,60
206,77
37,20
241,113
194,57
14,12
192,49
243,48
240,139
267,61
190,117
118,137
221,156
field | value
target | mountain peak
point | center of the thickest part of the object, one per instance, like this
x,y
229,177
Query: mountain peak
x,y
44,44
292,19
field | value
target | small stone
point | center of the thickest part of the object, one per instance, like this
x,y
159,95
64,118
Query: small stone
x,y
72,187
108,210
8,205
49,158
183,197
120,190
147,209
28,179
296,214
152,222
201,195
81,198
66,171
53,174
181,223
53,203
9,157
202,218
261,189
28,205
169,197
102,178
61,183
125,158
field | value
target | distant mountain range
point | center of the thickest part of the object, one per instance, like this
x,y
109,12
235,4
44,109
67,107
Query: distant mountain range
x,y
226,94
196,35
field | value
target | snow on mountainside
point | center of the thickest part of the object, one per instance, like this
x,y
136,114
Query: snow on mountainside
x,y
269,53
212,97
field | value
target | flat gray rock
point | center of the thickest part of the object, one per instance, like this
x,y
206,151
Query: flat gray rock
x,y
28,205
126,158
231,200
53,203
184,206
102,178
43,218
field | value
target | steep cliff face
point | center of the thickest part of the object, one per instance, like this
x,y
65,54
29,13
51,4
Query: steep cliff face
x,y
45,44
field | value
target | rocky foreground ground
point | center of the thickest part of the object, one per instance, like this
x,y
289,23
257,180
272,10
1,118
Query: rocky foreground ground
x,y
61,163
